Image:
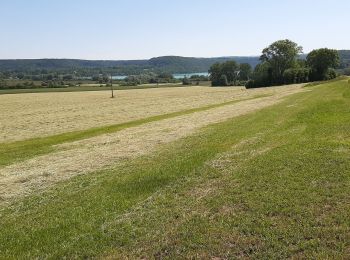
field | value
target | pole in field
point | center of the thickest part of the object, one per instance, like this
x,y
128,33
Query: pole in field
x,y
112,90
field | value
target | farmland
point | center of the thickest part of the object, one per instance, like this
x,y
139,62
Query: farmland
x,y
176,173
41,114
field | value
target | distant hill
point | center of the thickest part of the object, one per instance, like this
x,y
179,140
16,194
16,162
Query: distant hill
x,y
176,64
58,64
344,58
169,64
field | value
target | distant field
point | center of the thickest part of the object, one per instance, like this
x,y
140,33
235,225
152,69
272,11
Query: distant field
x,y
210,173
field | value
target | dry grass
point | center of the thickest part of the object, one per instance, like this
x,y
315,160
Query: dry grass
x,y
99,152
26,116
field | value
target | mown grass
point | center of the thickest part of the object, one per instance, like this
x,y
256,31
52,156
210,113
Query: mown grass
x,y
21,150
272,184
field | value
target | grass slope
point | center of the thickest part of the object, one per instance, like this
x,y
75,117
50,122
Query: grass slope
x,y
272,184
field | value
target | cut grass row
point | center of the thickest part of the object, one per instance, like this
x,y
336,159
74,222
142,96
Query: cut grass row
x,y
22,150
272,184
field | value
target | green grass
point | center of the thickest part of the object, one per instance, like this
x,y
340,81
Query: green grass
x,y
271,184
21,150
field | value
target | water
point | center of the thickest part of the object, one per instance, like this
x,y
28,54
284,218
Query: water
x,y
188,75
119,77
176,76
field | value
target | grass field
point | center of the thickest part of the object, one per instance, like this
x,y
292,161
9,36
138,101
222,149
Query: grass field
x,y
250,174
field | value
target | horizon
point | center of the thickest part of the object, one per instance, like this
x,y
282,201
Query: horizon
x,y
139,30
233,56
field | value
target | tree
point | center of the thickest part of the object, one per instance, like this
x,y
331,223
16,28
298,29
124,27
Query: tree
x,y
215,74
223,80
296,75
229,69
245,71
281,55
262,76
320,61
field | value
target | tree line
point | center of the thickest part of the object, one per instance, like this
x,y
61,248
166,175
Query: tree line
x,y
229,73
280,63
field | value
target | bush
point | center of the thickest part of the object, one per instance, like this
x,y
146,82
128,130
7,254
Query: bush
x,y
128,84
330,74
186,81
299,75
250,84
241,82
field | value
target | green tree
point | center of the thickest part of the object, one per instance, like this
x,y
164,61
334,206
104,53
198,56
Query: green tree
x,y
230,69
320,61
215,72
223,80
245,71
281,55
227,69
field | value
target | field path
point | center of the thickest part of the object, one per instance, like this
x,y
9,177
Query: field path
x,y
106,150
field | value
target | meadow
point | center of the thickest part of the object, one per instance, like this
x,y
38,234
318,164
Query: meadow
x,y
177,173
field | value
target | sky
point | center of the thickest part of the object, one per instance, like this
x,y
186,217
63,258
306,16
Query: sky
x,y
141,29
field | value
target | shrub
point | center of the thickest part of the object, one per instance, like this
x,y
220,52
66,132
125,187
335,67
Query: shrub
x,y
330,74
297,75
128,84
241,83
186,81
250,84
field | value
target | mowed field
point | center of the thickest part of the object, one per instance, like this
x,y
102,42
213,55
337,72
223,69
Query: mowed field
x,y
193,172
31,115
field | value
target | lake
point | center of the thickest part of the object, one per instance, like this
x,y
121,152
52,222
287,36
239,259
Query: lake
x,y
188,75
176,76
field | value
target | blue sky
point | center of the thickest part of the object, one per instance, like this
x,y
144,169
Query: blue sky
x,y
135,29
